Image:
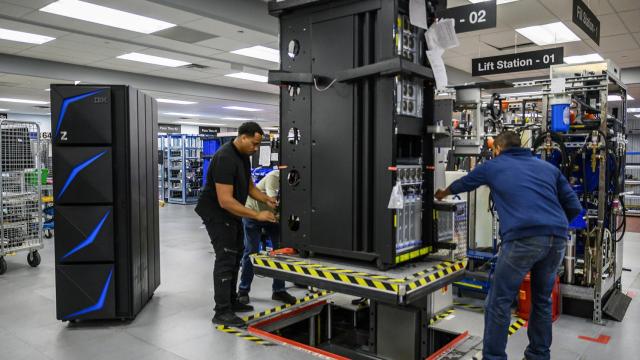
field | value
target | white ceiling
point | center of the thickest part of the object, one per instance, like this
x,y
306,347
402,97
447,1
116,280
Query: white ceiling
x,y
619,34
83,43
211,110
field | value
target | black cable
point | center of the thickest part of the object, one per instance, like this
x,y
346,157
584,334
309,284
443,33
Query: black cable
x,y
564,165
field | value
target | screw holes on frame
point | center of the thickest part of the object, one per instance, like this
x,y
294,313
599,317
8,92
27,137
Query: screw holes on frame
x,y
294,90
293,49
294,222
294,136
293,178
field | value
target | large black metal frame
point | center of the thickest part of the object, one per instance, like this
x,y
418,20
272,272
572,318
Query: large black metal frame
x,y
338,100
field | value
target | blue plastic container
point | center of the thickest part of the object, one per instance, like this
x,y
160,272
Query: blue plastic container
x,y
560,118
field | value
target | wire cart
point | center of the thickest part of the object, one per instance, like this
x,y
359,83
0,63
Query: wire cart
x,y
20,191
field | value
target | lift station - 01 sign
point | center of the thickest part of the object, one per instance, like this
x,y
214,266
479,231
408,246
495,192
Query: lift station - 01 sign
x,y
525,61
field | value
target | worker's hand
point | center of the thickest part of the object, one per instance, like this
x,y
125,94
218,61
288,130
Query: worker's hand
x,y
441,194
266,216
271,202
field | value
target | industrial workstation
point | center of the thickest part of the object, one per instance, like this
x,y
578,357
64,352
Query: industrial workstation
x,y
337,179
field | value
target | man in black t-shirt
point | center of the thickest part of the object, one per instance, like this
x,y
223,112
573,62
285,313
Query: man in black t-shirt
x,y
221,207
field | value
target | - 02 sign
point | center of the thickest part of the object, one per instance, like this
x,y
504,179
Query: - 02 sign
x,y
531,60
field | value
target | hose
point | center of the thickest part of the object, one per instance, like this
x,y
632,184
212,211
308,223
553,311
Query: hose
x,y
564,165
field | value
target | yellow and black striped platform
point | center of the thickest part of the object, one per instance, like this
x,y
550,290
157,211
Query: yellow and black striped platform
x,y
357,279
516,325
436,318
244,335
276,310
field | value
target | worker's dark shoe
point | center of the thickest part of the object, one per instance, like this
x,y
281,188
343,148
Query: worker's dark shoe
x,y
243,298
284,296
238,307
228,318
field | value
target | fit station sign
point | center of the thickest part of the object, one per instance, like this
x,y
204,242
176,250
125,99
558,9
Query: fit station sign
x,y
586,20
525,61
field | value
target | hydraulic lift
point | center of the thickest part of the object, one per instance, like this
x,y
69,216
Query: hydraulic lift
x,y
392,323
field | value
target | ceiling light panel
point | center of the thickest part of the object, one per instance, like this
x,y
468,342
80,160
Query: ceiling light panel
x,y
106,16
633,110
178,102
4,109
260,52
548,34
248,76
237,119
499,2
182,114
150,59
24,101
24,37
241,108
580,59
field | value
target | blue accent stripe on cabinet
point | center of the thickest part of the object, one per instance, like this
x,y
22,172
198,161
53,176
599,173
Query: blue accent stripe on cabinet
x,y
97,306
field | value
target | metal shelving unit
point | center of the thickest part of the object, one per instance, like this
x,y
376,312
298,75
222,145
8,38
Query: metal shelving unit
x,y
632,170
182,168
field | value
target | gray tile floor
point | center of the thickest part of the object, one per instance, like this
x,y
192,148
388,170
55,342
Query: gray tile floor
x,y
176,323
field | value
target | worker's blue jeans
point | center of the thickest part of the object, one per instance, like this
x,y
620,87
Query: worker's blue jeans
x,y
542,255
252,235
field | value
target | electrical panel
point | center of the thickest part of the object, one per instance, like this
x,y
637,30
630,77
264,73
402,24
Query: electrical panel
x,y
106,198
356,99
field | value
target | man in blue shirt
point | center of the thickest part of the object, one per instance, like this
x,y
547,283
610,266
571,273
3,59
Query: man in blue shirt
x,y
535,204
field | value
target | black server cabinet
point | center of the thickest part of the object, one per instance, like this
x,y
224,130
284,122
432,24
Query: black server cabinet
x,y
356,99
106,198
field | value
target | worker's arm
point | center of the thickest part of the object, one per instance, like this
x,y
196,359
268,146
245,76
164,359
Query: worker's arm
x,y
568,198
476,178
255,193
229,203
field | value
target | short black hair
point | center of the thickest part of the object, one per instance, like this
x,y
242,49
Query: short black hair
x,y
250,128
507,139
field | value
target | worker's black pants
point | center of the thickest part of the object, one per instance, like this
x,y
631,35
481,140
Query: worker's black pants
x,y
227,241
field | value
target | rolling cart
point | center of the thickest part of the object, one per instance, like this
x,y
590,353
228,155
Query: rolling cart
x,y
20,191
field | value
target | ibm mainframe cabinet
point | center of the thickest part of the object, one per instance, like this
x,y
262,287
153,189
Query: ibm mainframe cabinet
x,y
106,200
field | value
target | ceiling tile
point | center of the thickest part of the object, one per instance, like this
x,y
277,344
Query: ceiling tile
x,y
171,55
263,64
79,25
611,25
223,44
599,7
526,13
179,73
623,57
504,39
11,47
65,58
32,4
624,5
14,10
561,9
73,47
231,32
617,43
126,65
631,19
152,10
94,41
40,30
156,41
637,36
578,48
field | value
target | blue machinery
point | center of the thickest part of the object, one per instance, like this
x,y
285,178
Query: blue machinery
x,y
589,147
